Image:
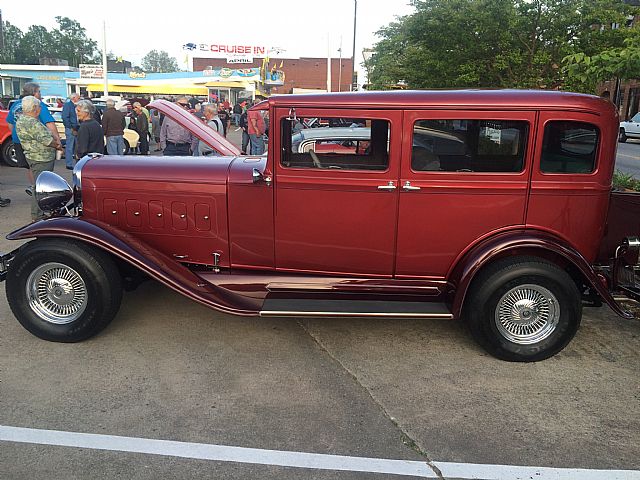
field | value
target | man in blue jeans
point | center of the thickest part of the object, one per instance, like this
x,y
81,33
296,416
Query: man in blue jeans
x,y
70,122
113,124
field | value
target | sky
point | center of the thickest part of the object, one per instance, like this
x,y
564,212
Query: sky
x,y
299,28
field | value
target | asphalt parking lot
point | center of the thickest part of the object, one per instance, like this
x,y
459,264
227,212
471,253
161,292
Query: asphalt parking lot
x,y
419,391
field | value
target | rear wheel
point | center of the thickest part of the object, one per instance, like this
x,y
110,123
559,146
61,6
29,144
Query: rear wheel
x,y
524,309
63,290
622,136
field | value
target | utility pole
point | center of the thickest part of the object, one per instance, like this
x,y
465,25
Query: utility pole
x,y
354,80
104,58
340,67
328,63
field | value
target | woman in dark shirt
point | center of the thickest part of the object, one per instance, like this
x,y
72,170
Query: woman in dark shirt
x,y
90,135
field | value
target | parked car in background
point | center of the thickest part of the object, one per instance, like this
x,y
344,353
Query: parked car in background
x,y
630,128
491,207
53,101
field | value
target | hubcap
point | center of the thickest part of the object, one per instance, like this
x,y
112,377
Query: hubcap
x,y
56,293
527,314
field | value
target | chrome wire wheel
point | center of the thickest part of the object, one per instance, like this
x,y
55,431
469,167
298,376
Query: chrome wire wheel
x,y
527,314
56,293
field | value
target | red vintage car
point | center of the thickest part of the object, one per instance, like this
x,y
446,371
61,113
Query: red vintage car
x,y
494,207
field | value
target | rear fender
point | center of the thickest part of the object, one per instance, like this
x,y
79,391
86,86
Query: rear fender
x,y
524,243
140,255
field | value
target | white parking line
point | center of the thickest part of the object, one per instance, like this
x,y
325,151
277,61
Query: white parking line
x,y
222,453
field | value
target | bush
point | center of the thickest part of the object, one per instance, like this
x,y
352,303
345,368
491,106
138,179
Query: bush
x,y
623,181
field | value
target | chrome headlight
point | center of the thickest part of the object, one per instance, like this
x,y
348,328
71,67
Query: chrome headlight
x,y
52,191
77,176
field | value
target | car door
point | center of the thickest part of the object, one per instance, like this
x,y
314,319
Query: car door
x,y
336,207
464,176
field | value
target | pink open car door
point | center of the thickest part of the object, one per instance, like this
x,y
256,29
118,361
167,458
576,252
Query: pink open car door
x,y
195,125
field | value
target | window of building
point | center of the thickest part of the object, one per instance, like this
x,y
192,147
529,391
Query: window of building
x,y
336,143
569,147
469,145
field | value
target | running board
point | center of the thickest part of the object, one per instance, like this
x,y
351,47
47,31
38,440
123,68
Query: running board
x,y
285,307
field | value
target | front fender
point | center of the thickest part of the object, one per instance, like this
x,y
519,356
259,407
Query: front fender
x,y
523,242
137,253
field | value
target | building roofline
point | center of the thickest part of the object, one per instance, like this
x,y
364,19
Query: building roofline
x,y
37,68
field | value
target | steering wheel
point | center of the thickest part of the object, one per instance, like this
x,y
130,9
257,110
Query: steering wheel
x,y
316,160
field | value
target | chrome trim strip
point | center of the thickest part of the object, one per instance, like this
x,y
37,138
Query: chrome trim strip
x,y
285,313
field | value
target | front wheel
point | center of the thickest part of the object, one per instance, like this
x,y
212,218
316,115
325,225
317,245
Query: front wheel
x,y
62,290
523,310
9,153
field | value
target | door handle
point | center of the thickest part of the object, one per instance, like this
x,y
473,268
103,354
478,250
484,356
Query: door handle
x,y
389,186
407,187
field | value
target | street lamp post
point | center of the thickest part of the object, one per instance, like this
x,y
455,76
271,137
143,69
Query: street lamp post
x,y
354,81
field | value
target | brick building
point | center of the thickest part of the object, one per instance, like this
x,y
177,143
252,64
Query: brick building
x,y
299,73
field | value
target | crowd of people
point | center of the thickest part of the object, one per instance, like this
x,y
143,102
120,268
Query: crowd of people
x,y
36,138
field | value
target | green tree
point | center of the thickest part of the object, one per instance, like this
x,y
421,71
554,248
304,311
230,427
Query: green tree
x,y
491,43
159,62
585,71
72,43
37,43
12,37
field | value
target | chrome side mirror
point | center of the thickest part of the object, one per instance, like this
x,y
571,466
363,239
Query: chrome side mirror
x,y
259,177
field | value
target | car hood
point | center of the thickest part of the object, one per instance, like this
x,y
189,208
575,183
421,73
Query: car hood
x,y
195,126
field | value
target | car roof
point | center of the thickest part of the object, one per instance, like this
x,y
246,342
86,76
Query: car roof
x,y
450,99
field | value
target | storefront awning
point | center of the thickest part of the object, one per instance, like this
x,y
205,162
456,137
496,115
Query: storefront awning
x,y
240,84
158,89
170,88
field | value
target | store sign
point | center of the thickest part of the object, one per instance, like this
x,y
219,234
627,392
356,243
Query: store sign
x,y
237,58
240,53
91,71
137,75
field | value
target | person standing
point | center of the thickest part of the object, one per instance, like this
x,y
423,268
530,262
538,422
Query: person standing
x,y
142,127
113,125
237,111
256,130
224,118
38,143
70,122
155,128
175,140
90,134
214,122
29,89
244,124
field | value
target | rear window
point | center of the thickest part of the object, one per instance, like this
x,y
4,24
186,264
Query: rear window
x,y
569,147
336,143
469,145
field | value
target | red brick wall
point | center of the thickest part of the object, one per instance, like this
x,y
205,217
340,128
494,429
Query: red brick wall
x,y
299,72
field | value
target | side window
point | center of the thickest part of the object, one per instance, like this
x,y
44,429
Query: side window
x,y
569,147
469,145
335,143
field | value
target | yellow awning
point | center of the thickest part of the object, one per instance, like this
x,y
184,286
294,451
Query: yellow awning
x,y
229,84
160,89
